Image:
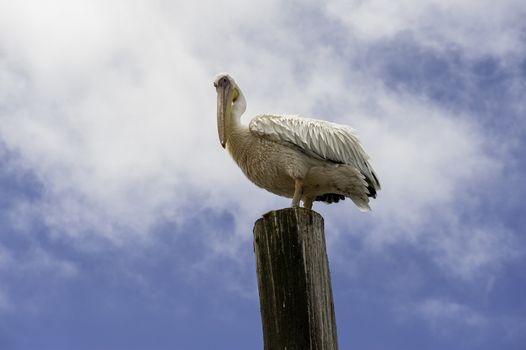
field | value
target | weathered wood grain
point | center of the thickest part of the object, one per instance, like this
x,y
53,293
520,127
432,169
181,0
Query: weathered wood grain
x,y
295,292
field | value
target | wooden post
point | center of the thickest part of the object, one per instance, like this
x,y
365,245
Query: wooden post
x,y
295,292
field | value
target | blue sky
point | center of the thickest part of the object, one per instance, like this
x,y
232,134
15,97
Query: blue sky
x,y
125,225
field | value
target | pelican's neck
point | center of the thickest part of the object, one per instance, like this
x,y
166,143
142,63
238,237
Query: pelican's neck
x,y
238,142
238,108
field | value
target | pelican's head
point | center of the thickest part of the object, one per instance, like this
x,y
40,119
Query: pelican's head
x,y
227,94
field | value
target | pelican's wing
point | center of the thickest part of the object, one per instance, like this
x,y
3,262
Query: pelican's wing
x,y
326,140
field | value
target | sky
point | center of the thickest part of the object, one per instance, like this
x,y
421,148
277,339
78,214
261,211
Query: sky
x,y
125,225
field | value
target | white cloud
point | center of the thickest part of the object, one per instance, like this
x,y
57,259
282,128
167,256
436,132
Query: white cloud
x,y
30,263
35,260
444,316
476,27
470,251
111,105
39,260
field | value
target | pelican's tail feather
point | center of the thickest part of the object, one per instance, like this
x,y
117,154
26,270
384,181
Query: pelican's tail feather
x,y
338,181
362,204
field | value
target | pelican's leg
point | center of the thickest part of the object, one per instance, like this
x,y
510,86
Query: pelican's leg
x,y
307,202
298,191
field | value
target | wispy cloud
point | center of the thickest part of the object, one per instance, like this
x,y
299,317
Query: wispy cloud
x,y
469,252
22,269
445,316
441,25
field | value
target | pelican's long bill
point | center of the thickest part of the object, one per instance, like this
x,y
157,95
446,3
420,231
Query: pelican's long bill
x,y
225,97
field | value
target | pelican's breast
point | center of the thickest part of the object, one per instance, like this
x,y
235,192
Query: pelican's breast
x,y
267,164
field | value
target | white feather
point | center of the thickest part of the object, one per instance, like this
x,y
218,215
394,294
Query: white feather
x,y
326,140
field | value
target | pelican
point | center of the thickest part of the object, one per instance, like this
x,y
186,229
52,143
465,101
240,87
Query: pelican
x,y
304,159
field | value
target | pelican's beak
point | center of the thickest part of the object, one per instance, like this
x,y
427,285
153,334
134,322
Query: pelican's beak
x,y
224,108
